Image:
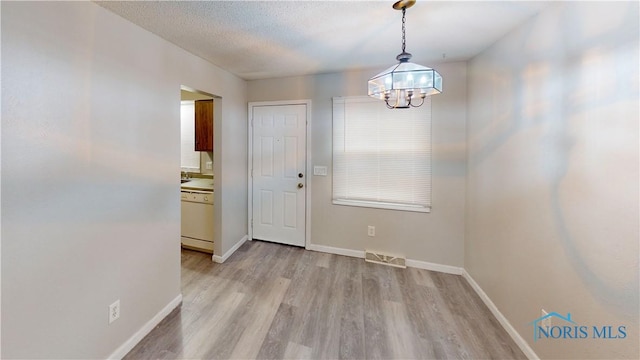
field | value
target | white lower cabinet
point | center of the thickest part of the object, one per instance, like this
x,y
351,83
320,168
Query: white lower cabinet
x,y
197,220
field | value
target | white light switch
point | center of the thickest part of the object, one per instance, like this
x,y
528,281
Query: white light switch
x,y
320,170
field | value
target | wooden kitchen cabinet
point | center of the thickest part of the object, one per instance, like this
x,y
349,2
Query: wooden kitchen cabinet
x,y
204,125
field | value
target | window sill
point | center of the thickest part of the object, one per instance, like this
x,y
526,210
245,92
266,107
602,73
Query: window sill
x,y
382,205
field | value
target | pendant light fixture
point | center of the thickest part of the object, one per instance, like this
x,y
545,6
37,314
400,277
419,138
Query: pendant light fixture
x,y
405,84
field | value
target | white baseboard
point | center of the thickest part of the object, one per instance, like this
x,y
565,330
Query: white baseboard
x,y
411,263
447,269
223,258
522,344
146,329
335,250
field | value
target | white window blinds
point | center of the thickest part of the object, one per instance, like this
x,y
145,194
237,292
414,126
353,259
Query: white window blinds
x,y
189,158
381,157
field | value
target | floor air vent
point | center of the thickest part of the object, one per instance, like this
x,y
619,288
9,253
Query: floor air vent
x,y
384,259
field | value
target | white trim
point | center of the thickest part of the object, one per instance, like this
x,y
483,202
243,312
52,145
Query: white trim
x,y
522,343
447,269
382,205
249,170
337,251
145,329
223,258
309,171
307,219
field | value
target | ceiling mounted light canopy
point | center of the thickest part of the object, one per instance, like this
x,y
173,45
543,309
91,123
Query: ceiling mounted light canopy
x,y
401,85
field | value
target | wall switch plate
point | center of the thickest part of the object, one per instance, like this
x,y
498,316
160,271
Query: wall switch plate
x,y
320,170
209,165
371,230
114,311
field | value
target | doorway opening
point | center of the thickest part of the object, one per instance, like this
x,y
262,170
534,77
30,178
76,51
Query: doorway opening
x,y
199,212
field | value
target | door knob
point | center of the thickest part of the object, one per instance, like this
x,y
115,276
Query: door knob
x,y
300,185
300,175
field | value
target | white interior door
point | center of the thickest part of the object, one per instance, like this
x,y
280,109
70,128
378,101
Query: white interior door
x,y
279,178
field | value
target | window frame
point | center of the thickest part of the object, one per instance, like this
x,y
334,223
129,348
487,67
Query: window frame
x,y
192,169
377,204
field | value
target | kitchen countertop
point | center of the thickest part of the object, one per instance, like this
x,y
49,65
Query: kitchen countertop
x,y
198,184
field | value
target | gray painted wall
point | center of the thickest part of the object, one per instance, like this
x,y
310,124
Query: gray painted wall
x,y
90,157
90,164
437,237
552,190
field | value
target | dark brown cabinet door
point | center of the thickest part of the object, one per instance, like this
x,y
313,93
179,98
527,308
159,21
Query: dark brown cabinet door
x,y
204,125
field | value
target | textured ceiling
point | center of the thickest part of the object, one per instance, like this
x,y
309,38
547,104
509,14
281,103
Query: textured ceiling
x,y
266,39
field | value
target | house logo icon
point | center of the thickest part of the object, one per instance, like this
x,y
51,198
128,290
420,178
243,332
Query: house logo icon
x,y
537,324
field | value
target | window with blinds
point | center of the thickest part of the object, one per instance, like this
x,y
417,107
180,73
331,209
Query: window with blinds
x,y
381,157
189,158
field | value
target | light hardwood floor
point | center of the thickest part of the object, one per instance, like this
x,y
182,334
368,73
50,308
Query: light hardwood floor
x,y
271,301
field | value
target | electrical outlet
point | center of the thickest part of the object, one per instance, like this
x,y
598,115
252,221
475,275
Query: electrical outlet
x,y
114,311
209,165
546,322
371,230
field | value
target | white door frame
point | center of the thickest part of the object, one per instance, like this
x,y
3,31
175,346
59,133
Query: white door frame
x,y
309,167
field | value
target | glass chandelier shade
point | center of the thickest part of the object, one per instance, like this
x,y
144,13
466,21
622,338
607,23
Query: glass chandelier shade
x,y
405,84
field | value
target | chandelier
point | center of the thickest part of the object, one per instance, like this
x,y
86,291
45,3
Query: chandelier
x,y
401,85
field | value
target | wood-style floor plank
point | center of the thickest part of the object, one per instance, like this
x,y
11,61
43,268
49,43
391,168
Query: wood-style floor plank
x,y
277,340
271,301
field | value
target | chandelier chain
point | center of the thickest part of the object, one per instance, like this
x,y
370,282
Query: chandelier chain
x,y
404,9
